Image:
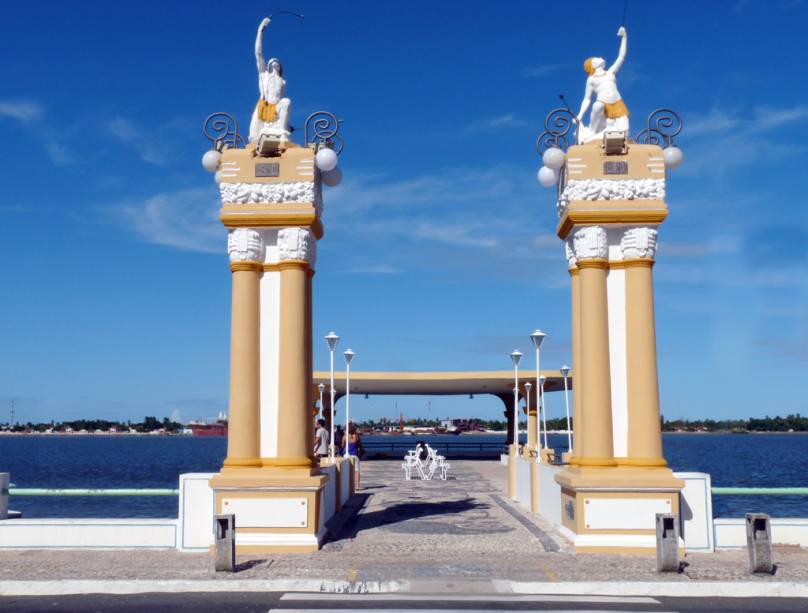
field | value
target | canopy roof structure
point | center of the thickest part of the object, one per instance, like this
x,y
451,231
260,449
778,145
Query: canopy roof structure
x,y
497,382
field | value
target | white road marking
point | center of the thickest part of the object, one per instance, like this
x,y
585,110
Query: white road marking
x,y
472,598
319,610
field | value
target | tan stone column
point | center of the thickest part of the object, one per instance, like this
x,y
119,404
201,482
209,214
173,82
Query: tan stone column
x,y
595,447
577,370
644,429
243,450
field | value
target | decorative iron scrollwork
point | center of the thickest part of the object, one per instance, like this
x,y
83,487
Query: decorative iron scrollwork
x,y
557,127
662,126
322,130
222,130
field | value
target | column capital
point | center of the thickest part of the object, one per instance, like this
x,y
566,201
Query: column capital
x,y
297,244
590,242
245,245
569,252
639,242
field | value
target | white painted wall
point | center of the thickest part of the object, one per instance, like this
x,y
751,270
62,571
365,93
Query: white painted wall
x,y
345,480
730,533
269,361
696,511
89,533
329,501
616,295
523,482
196,511
549,493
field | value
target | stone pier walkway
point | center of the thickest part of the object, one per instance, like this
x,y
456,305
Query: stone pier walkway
x,y
463,529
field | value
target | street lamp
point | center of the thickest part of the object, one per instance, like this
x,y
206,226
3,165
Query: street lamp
x,y
528,385
565,372
516,355
321,388
349,355
542,380
332,340
537,338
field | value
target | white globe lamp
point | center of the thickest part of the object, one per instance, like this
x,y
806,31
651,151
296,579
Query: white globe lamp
x,y
218,176
326,159
211,159
554,158
547,176
672,156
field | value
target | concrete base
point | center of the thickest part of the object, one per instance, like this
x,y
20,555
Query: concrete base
x,y
613,510
277,510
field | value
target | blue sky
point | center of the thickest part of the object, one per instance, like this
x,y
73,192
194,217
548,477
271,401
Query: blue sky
x,y
439,252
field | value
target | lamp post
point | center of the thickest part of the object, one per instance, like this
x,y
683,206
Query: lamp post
x,y
528,385
537,338
349,355
542,380
516,355
565,372
332,340
321,389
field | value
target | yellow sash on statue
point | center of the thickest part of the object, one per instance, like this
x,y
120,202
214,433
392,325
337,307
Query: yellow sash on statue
x,y
613,110
267,111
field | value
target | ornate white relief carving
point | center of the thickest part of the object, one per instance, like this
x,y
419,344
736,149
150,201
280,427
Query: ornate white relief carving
x,y
639,242
611,189
245,245
297,244
590,242
569,251
267,193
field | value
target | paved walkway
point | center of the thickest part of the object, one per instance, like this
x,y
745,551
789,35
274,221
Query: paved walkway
x,y
460,532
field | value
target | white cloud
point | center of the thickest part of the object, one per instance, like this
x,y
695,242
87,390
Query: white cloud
x,y
127,133
491,124
538,72
184,219
21,110
59,154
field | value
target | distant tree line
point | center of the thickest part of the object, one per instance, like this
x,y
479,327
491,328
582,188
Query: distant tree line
x,y
790,423
149,424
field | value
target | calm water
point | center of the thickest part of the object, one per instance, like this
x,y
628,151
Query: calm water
x,y
141,461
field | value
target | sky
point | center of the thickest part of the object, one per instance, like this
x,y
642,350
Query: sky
x,y
439,250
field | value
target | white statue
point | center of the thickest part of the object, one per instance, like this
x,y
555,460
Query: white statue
x,y
609,112
271,116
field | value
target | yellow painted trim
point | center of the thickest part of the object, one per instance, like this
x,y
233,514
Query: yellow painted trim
x,y
595,461
611,212
573,271
236,266
593,263
293,264
270,267
652,462
239,462
293,462
275,219
638,262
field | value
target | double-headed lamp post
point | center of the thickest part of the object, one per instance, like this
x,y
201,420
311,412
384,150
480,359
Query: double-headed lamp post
x,y
516,355
349,355
537,338
565,372
332,340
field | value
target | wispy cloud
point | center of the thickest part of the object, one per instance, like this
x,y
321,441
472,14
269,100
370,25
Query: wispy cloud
x,y
184,219
490,124
59,154
21,110
127,133
545,70
373,269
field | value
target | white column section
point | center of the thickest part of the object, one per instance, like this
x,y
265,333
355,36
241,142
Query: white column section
x,y
616,292
270,348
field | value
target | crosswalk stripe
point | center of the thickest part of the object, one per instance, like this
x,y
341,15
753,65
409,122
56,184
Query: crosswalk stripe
x,y
358,598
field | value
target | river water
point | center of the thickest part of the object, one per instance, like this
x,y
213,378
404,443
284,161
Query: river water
x,y
742,460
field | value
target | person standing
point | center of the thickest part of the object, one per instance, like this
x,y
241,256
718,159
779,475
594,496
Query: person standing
x,y
321,440
355,450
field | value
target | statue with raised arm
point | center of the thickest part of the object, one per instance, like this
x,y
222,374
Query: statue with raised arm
x,y
609,112
270,119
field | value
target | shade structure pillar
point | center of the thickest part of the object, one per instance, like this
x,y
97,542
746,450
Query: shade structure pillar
x,y
610,207
243,423
644,428
271,208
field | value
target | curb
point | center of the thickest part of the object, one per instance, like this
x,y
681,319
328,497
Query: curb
x,y
500,588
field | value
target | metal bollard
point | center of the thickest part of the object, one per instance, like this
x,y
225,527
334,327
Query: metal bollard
x,y
667,542
5,481
226,543
759,543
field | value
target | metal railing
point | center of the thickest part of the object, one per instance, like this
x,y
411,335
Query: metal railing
x,y
39,491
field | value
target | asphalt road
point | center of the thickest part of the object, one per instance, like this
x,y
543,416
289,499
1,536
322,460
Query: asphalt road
x,y
391,603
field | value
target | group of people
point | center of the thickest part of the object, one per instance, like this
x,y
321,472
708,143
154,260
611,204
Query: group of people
x,y
322,440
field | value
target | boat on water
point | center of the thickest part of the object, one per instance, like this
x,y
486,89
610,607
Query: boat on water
x,y
216,429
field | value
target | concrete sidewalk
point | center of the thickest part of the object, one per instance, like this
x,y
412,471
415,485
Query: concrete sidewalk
x,y
405,535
